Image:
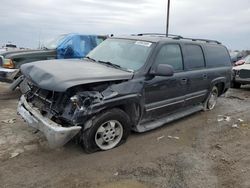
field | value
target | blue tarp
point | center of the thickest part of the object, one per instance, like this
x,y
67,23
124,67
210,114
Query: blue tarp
x,y
76,46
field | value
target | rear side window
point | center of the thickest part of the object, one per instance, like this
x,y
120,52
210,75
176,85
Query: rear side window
x,y
170,54
217,56
195,56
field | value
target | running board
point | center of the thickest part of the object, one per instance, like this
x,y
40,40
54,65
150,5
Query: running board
x,y
160,122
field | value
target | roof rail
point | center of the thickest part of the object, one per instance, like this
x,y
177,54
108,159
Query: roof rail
x,y
176,37
160,34
204,40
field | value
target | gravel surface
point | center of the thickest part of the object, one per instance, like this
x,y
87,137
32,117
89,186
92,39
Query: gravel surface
x,y
207,149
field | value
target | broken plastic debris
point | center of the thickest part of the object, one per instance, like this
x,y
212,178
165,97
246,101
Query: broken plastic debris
x,y
9,121
174,137
240,120
220,119
227,118
235,126
116,174
16,153
224,118
161,137
218,146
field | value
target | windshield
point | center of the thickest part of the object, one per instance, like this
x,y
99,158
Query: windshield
x,y
129,54
247,59
54,43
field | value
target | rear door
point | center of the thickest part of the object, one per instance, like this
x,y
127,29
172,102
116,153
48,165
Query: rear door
x,y
164,95
197,79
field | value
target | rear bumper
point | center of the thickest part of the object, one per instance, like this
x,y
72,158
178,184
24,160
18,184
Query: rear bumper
x,y
56,135
8,75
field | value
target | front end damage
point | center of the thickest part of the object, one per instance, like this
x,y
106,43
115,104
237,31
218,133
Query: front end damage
x,y
56,134
62,115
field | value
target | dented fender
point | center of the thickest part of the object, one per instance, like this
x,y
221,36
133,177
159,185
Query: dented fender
x,y
90,103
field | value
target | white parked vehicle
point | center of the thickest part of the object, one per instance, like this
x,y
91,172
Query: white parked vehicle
x,y
241,73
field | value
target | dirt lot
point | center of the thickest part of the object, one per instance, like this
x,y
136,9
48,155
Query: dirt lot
x,y
207,149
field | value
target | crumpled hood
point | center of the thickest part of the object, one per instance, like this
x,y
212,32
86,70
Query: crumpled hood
x,y
244,66
59,75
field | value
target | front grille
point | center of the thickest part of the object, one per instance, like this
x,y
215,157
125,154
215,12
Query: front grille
x,y
40,98
244,73
47,102
24,86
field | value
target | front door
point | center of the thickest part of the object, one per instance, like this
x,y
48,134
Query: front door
x,y
164,95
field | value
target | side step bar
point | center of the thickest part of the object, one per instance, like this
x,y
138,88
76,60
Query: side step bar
x,y
160,122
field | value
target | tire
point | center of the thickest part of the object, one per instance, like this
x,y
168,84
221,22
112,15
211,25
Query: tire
x,y
109,130
235,85
212,99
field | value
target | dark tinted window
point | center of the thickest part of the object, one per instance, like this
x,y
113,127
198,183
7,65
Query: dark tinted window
x,y
195,56
170,54
217,56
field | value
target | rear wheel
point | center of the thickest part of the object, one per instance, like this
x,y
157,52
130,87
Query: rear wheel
x,y
212,99
108,130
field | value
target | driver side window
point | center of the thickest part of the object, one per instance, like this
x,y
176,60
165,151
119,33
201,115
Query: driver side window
x,y
170,54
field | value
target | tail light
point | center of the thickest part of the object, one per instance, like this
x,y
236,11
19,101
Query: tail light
x,y
8,63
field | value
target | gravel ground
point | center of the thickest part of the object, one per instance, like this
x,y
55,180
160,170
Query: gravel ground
x,y
207,149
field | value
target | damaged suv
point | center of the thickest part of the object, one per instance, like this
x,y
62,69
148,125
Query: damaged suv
x,y
137,83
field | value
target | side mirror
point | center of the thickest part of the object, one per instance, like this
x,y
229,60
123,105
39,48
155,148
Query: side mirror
x,y
163,70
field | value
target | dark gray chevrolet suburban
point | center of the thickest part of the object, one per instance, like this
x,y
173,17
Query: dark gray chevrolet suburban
x,y
137,83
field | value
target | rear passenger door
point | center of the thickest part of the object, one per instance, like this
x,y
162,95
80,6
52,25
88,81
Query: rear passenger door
x,y
164,94
197,78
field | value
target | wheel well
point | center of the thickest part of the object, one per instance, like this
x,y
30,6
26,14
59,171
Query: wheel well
x,y
221,87
133,111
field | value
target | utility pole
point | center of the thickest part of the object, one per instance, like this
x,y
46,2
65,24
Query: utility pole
x,y
167,25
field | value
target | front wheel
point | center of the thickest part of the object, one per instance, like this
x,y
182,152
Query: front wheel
x,y
212,99
109,129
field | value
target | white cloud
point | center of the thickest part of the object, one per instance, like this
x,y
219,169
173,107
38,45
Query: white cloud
x,y
22,21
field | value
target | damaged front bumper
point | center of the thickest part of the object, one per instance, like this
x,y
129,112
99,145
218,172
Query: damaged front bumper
x,y
56,134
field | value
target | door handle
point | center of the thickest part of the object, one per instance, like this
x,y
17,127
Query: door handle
x,y
184,81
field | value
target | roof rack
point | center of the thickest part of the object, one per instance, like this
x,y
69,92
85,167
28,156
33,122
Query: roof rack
x,y
177,37
160,35
204,40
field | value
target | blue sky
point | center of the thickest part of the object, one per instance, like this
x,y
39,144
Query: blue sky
x,y
23,22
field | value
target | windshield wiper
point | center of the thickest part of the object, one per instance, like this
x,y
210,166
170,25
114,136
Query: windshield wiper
x,y
114,65
109,63
87,57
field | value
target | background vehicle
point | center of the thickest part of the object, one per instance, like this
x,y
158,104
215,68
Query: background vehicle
x,y
241,73
139,83
8,47
63,47
236,56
